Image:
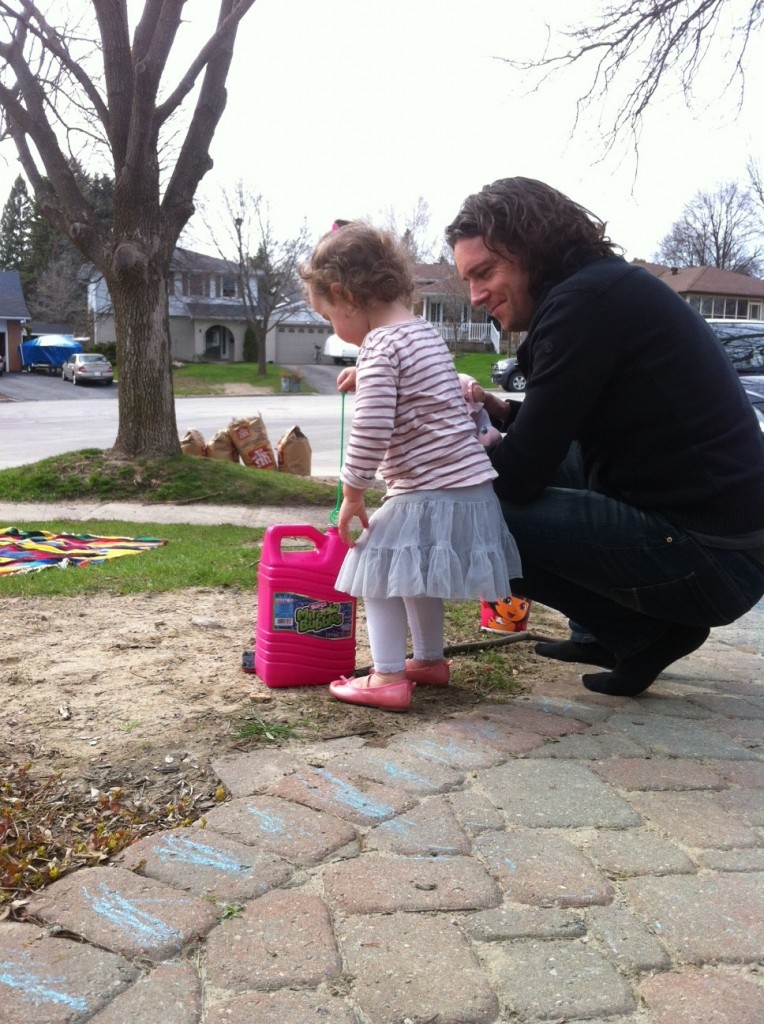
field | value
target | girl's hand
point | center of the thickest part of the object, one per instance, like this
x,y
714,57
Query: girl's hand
x,y
352,507
346,379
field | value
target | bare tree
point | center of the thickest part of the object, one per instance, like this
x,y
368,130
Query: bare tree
x,y
456,304
93,92
644,42
266,268
756,187
716,229
60,293
413,230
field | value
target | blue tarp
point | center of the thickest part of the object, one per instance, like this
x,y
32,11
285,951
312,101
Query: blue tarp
x,y
48,350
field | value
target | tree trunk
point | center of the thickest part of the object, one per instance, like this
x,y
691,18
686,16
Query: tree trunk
x,y
260,336
147,424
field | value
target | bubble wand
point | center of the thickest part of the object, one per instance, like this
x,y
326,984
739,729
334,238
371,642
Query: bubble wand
x,y
334,515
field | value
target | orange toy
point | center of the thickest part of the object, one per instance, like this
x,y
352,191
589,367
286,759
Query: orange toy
x,y
509,615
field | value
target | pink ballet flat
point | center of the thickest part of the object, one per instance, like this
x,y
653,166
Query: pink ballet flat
x,y
390,697
429,675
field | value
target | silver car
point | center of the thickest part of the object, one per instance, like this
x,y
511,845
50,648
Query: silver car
x,y
86,367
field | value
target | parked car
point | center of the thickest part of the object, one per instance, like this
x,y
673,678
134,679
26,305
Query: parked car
x,y
743,341
87,367
754,388
506,373
341,353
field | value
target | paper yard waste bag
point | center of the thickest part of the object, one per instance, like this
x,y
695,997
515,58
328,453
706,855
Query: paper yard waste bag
x,y
251,440
192,443
221,447
294,453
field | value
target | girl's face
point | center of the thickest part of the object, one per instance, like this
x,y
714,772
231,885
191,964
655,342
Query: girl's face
x,y
348,321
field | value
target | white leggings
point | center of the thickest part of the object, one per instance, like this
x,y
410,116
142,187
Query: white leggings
x,y
388,620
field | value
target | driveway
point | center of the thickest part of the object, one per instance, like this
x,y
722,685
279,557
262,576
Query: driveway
x,y
40,387
323,379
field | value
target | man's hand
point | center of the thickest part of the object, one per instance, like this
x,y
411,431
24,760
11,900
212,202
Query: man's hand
x,y
352,507
495,407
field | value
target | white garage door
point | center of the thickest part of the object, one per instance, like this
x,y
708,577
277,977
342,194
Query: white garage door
x,y
296,345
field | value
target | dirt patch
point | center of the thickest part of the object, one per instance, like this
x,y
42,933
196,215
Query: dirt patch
x,y
144,692
245,389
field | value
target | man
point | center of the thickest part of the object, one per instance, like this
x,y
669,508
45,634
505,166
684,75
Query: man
x,y
664,537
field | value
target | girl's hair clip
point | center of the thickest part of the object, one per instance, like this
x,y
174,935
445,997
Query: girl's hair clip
x,y
339,224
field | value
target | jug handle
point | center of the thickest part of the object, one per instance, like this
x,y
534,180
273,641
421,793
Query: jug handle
x,y
274,535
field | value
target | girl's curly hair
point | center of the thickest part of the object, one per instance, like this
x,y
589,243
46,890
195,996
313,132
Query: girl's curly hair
x,y
368,265
553,236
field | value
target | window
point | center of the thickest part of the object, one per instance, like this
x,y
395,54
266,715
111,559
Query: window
x,y
718,308
436,312
198,284
227,286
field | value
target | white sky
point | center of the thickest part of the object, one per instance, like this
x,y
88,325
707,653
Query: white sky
x,y
346,108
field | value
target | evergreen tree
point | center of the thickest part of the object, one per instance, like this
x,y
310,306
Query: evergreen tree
x,y
15,231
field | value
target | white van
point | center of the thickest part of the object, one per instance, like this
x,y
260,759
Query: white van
x,y
340,352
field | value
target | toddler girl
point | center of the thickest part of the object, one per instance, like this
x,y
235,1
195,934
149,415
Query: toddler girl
x,y
440,532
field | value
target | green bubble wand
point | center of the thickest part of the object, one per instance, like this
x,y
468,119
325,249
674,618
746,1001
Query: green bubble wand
x,y
334,515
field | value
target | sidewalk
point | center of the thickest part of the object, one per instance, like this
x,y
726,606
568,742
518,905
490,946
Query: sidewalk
x,y
567,856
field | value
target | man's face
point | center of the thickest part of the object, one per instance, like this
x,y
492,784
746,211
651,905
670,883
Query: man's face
x,y
498,282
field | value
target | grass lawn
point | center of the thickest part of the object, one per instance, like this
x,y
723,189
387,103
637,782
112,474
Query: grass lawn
x,y
196,379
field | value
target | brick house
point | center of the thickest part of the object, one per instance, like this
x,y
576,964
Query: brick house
x,y
716,294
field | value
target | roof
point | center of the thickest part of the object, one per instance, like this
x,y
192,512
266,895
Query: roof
x,y
12,303
199,262
706,281
438,279
209,309
37,327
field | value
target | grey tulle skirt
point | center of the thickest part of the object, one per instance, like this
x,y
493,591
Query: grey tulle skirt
x,y
450,543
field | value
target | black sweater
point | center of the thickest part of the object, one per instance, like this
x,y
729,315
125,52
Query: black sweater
x,y
619,362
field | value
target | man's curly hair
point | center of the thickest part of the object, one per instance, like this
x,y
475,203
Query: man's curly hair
x,y
369,266
553,236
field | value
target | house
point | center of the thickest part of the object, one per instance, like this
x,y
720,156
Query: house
x,y
13,315
443,299
716,294
208,315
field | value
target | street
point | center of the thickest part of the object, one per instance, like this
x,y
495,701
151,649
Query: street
x,y
40,417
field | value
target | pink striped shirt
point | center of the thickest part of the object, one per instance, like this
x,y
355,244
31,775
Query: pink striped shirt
x,y
411,424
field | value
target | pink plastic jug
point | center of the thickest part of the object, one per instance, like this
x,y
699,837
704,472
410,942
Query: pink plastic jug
x,y
305,630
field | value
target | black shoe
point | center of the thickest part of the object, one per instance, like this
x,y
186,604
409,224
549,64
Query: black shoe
x,y
581,654
633,675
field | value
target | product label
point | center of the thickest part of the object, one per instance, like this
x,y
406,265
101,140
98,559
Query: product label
x,y
307,616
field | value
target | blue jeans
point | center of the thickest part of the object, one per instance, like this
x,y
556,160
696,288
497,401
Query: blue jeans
x,y
623,574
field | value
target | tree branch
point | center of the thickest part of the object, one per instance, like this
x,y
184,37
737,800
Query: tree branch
x,y
643,42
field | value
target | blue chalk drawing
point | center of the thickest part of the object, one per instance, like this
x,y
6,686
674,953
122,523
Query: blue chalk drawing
x,y
353,797
274,825
38,990
400,824
444,753
271,823
125,914
179,848
400,773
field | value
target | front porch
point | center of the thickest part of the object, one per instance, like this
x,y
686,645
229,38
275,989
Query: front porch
x,y
470,335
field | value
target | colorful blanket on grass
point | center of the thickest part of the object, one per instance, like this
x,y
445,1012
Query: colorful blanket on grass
x,y
36,550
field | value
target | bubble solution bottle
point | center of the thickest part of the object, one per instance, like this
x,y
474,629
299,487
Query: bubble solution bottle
x,y
305,629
